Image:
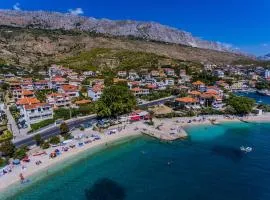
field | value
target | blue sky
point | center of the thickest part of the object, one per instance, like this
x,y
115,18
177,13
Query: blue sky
x,y
243,23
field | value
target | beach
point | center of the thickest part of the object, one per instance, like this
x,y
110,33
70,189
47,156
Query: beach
x,y
129,130
31,168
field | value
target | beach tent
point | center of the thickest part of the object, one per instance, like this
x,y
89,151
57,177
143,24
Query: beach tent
x,y
16,162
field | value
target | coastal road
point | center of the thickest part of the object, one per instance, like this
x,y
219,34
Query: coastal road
x,y
55,130
157,102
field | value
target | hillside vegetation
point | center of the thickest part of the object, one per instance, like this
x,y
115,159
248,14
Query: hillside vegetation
x,y
37,48
100,58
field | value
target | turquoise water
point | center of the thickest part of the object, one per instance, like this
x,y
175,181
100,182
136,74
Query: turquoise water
x,y
208,166
259,98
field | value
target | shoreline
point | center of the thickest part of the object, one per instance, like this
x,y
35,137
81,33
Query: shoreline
x,y
12,179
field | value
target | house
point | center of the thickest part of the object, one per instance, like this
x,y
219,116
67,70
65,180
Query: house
x,y
57,100
187,102
132,75
154,73
57,82
42,85
70,90
34,113
27,101
267,74
27,94
140,91
95,92
82,102
199,86
27,84
169,71
89,73
194,94
122,74
214,90
219,73
169,82
182,72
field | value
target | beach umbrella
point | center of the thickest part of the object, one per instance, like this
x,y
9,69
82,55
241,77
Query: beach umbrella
x,y
16,162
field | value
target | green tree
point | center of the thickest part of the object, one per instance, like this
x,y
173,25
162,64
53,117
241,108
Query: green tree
x,y
45,145
38,139
241,105
55,140
20,153
114,101
7,148
64,128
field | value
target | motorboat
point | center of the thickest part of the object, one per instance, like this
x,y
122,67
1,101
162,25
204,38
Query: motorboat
x,y
246,149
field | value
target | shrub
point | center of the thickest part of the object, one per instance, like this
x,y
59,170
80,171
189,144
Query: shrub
x,y
54,140
45,145
42,124
7,135
20,153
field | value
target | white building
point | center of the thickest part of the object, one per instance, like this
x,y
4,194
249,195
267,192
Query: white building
x,y
267,74
58,100
37,112
95,92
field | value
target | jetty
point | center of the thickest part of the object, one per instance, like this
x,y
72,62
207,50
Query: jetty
x,y
165,132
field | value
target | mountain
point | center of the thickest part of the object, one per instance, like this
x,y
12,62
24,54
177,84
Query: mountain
x,y
37,39
265,57
144,30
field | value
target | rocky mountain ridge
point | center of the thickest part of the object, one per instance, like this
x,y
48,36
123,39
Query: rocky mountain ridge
x,y
144,30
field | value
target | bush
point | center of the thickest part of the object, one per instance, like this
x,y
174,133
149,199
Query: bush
x,y
54,140
42,124
7,148
38,139
20,153
3,162
45,145
7,135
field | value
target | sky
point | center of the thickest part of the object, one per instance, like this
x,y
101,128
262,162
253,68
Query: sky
x,y
244,24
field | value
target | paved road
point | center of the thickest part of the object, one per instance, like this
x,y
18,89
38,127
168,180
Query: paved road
x,y
157,102
52,131
45,134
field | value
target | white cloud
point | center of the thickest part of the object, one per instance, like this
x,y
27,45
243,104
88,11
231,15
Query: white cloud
x,y
16,6
265,45
76,11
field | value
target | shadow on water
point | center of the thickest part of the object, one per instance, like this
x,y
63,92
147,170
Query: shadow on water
x,y
235,154
105,189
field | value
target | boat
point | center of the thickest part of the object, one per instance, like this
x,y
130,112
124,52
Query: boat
x,y
246,149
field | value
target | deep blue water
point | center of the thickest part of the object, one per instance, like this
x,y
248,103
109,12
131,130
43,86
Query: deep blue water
x,y
208,165
259,98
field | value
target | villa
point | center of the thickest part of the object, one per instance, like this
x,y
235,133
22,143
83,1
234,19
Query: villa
x,y
35,113
70,90
58,100
95,92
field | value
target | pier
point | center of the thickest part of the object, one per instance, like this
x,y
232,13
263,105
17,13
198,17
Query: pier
x,y
166,135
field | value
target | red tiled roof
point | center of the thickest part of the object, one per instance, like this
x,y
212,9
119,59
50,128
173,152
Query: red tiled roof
x,y
37,105
84,101
27,92
186,100
198,83
69,88
28,101
194,92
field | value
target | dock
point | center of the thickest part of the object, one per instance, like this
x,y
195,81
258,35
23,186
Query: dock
x,y
171,135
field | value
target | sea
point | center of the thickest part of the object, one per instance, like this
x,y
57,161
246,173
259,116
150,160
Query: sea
x,y
209,165
261,99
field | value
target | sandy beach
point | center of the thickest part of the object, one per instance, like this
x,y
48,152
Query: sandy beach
x,y
31,168
130,130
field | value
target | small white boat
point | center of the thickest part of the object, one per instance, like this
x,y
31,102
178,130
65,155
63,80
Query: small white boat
x,y
246,149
